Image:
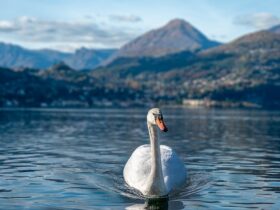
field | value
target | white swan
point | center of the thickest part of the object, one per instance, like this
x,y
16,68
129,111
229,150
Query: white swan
x,y
155,170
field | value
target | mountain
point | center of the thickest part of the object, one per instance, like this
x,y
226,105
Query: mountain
x,y
250,61
244,55
13,56
84,58
177,35
124,67
63,72
245,70
275,29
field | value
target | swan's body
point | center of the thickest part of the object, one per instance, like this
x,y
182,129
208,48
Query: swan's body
x,y
154,170
138,168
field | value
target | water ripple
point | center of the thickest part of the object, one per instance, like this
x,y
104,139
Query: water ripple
x,y
73,159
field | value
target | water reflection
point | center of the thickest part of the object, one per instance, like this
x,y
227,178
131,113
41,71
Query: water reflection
x,y
157,204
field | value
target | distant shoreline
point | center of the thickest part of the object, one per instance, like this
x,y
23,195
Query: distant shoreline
x,y
219,105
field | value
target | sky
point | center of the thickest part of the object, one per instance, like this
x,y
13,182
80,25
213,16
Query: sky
x,y
67,25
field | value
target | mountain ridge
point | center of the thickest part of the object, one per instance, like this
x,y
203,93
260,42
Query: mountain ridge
x,y
275,29
175,36
15,56
247,69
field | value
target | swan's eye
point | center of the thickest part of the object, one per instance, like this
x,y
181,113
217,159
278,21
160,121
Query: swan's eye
x,y
158,116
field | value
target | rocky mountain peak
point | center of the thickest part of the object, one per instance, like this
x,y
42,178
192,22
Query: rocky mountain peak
x,y
176,36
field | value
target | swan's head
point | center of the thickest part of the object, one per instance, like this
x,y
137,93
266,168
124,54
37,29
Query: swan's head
x,y
155,117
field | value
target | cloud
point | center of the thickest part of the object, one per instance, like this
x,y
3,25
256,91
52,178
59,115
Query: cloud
x,y
6,26
125,18
32,30
261,20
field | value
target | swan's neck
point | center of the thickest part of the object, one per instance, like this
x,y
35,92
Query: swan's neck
x,y
155,182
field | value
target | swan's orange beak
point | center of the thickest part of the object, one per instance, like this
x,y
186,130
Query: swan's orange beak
x,y
161,125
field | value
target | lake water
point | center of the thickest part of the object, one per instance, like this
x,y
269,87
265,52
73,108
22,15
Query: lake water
x,y
73,159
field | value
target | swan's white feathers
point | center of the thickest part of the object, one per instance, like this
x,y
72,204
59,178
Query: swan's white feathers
x,y
137,168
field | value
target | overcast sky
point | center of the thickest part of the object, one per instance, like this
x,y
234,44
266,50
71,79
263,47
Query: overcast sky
x,y
70,24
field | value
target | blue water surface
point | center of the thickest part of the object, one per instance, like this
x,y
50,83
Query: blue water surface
x,y
73,159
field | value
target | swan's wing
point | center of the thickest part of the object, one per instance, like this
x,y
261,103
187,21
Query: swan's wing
x,y
138,167
173,168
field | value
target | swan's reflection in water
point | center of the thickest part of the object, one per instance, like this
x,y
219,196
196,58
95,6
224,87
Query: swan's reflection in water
x,y
157,204
195,183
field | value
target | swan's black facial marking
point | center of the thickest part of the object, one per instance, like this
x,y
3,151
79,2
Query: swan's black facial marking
x,y
159,121
158,116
